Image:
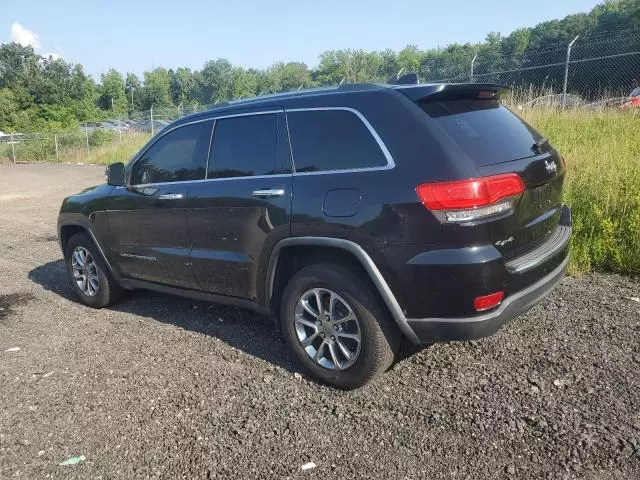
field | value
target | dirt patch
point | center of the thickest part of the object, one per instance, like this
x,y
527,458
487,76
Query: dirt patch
x,y
10,302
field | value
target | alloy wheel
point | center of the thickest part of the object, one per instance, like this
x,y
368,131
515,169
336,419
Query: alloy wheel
x,y
85,271
327,329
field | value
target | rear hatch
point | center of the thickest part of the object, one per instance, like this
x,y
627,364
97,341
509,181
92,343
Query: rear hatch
x,y
497,141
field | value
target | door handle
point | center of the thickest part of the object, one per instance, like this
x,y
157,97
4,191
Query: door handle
x,y
170,196
266,193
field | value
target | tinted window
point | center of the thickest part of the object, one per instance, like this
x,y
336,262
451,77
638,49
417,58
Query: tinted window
x,y
177,156
332,140
244,146
485,130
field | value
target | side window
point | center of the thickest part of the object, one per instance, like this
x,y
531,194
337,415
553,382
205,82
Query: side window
x,y
244,146
179,155
332,140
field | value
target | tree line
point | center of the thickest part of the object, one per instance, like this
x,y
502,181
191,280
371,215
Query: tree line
x,y
47,94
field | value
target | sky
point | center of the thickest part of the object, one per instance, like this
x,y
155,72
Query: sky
x,y
138,35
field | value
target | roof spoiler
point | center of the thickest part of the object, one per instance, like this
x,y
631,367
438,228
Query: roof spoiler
x,y
434,92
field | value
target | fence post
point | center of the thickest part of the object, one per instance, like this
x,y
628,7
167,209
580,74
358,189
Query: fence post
x,y
151,115
566,72
55,142
86,135
13,148
473,62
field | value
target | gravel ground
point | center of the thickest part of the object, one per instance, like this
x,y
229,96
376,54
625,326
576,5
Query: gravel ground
x,y
162,387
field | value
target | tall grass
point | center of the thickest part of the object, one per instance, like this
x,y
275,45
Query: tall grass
x,y
104,147
116,151
603,183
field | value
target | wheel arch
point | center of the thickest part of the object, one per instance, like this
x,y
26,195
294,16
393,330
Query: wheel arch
x,y
315,249
66,230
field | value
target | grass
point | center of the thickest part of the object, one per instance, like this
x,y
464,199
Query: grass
x,y
603,183
116,151
104,148
602,150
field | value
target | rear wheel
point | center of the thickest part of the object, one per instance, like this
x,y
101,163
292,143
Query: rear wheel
x,y
336,326
90,277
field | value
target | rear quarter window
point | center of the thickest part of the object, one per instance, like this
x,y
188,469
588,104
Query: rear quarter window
x,y
485,130
325,140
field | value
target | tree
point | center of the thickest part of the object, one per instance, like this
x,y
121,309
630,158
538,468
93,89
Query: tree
x,y
217,81
113,96
156,89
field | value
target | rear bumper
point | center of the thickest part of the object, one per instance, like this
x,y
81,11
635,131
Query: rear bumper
x,y
429,330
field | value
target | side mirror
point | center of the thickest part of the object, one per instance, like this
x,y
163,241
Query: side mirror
x,y
115,174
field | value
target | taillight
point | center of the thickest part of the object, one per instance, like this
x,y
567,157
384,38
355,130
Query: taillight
x,y
471,199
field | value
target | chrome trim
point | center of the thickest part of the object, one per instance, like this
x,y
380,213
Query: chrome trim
x,y
547,249
138,257
366,261
266,193
171,196
182,182
168,130
213,130
385,151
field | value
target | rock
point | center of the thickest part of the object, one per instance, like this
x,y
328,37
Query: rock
x,y
73,460
510,470
308,466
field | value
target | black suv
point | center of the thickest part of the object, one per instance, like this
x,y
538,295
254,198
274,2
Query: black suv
x,y
357,216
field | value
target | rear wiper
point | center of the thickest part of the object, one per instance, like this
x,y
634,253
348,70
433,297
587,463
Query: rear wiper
x,y
541,142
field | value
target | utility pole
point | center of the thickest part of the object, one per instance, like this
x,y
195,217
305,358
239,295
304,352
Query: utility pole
x,y
152,120
566,72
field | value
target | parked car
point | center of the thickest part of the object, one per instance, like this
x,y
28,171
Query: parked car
x,y
616,102
553,101
634,99
145,125
357,217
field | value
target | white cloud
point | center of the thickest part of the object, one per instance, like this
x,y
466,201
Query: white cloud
x,y
24,36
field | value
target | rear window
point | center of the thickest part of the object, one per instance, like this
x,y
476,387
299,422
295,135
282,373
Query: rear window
x,y
485,130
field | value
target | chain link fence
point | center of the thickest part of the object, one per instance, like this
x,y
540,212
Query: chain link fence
x,y
591,72
598,70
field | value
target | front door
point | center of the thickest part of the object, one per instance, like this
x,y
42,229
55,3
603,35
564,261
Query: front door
x,y
243,209
147,219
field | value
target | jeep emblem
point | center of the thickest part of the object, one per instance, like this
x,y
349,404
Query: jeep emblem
x,y
550,166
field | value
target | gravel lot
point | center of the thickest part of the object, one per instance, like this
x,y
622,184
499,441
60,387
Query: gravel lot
x,y
162,387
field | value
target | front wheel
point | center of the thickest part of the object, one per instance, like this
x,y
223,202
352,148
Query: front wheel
x,y
336,326
90,277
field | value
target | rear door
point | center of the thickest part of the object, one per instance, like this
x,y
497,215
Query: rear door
x,y
243,209
498,141
147,219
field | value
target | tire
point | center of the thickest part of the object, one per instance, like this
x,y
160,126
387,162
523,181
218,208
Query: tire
x,y
103,290
379,337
